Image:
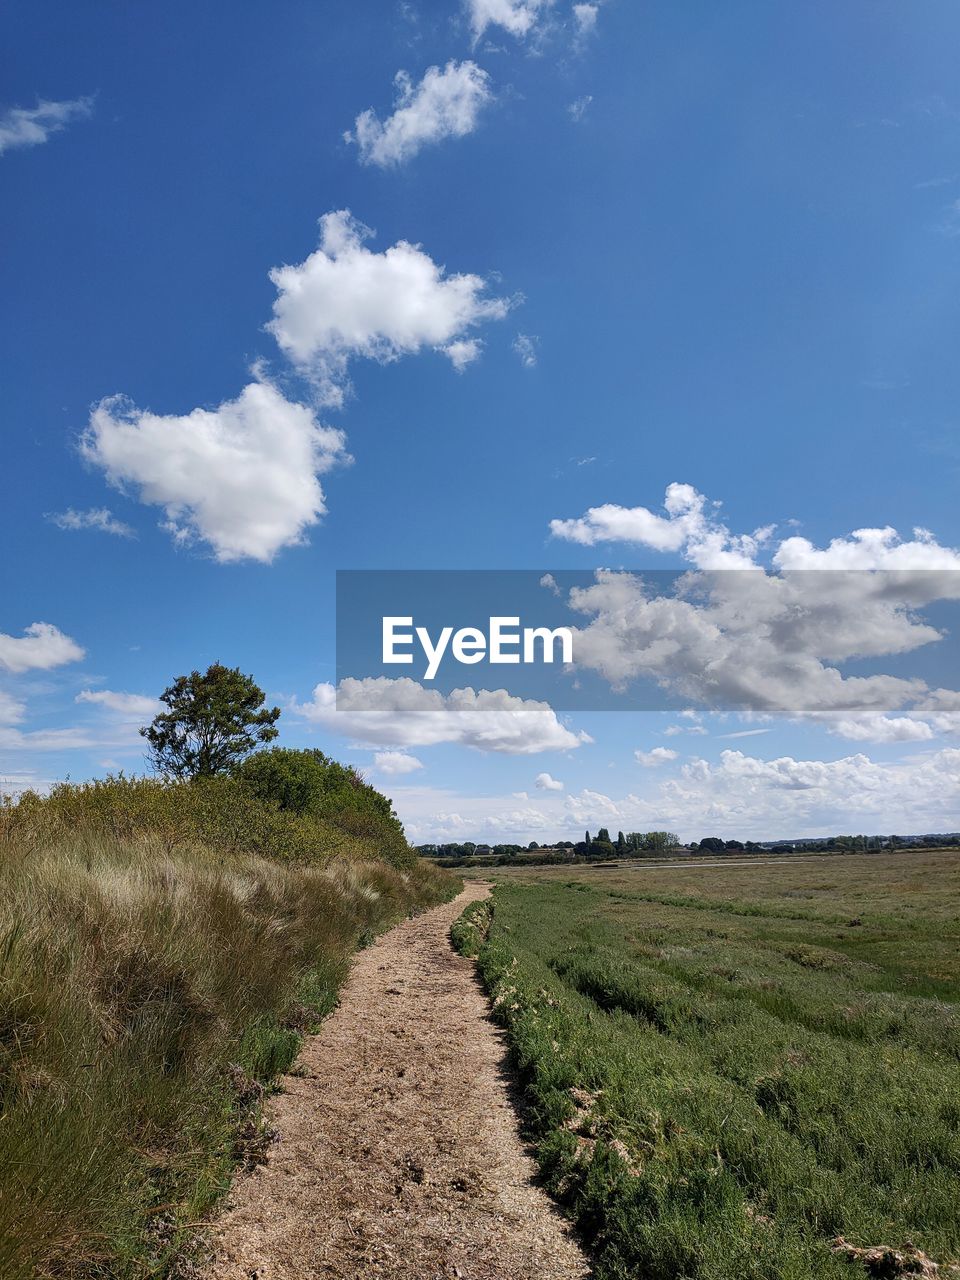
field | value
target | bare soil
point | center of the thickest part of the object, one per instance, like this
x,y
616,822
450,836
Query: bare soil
x,y
399,1155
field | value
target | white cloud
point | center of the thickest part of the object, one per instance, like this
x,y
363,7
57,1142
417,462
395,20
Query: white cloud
x,y
445,104
402,713
753,642
14,784
787,797
764,642
41,647
658,756
345,301
432,813
11,709
585,17
546,783
99,518
30,126
878,729
519,17
870,549
48,740
135,705
463,352
737,796
578,108
688,527
243,478
693,528
591,806
526,348
395,763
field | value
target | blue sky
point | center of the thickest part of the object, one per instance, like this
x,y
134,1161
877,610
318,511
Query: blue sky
x,y
699,245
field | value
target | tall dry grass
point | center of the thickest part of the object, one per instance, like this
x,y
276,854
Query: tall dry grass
x,y
151,985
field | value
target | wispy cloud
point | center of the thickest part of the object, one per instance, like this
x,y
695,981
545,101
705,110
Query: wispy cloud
x,y
578,109
526,348
99,518
743,733
30,126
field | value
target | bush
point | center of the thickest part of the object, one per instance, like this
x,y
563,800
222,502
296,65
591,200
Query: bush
x,y
310,785
229,814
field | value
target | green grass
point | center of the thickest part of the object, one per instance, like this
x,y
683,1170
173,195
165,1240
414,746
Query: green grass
x,y
155,977
727,1070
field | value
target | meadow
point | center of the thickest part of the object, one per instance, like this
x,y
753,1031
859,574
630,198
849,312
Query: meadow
x,y
744,1071
163,949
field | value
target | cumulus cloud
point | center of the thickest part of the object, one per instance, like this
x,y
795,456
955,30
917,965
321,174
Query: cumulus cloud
x,y
591,806
738,795
546,783
446,103
870,549
767,640
652,759
752,642
346,301
402,713
31,126
690,527
752,798
395,763
132,705
41,647
242,478
742,793
526,348
519,17
99,518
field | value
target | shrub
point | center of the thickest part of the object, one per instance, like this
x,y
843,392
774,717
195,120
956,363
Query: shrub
x,y
309,784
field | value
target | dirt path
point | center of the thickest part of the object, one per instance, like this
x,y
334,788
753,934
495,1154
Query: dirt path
x,y
399,1157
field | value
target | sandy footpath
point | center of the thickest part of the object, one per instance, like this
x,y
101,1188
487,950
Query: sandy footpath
x,y
399,1154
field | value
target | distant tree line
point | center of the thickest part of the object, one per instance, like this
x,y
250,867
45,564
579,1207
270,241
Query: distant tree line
x,y
646,844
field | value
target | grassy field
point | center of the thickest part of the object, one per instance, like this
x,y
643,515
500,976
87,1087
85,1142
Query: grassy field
x,y
748,1071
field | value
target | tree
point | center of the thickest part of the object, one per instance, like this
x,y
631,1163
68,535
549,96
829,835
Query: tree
x,y
604,835
712,844
659,841
213,720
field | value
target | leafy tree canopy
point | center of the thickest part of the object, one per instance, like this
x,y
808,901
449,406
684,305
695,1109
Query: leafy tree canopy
x,y
213,719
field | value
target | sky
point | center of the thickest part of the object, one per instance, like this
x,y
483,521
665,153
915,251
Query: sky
x,y
499,284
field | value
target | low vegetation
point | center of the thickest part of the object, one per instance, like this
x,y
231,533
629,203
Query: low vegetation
x,y
163,947
740,1073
